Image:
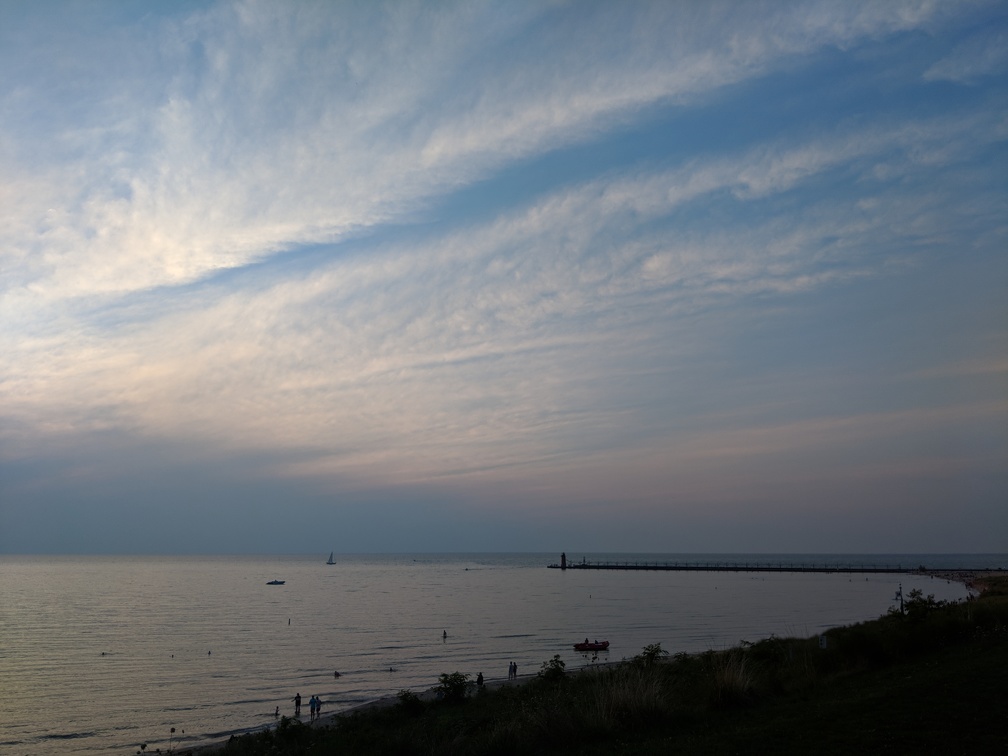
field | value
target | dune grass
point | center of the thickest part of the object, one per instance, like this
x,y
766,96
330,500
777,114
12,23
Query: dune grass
x,y
929,680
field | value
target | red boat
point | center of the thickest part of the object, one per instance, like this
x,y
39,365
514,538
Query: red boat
x,y
596,646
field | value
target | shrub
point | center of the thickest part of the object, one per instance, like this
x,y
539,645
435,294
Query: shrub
x,y
454,687
410,702
290,727
650,656
917,606
554,669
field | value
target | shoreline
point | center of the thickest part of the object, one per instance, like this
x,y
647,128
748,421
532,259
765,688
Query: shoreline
x,y
384,702
975,582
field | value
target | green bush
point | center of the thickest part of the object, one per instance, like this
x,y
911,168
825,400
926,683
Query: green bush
x,y
554,669
918,607
453,687
410,702
291,729
650,655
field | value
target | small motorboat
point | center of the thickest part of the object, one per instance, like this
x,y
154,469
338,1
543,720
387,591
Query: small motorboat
x,y
276,582
594,646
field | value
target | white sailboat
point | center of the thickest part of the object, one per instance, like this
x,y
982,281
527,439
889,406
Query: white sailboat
x,y
331,560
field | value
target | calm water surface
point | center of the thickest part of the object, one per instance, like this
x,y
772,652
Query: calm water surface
x,y
100,654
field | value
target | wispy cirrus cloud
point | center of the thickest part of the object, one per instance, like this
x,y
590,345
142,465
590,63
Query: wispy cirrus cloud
x,y
267,130
984,53
573,253
359,348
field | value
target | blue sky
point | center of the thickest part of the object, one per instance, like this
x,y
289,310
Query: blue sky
x,y
683,277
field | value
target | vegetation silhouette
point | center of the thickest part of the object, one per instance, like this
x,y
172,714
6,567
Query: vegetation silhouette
x,y
874,686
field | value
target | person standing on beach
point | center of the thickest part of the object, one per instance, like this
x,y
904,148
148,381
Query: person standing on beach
x,y
311,709
297,705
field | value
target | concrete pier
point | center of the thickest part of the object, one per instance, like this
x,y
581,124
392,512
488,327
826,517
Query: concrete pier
x,y
755,566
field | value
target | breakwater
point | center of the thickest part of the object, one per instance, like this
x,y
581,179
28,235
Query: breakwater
x,y
729,566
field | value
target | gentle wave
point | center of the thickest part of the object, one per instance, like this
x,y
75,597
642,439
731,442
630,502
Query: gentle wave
x,y
133,634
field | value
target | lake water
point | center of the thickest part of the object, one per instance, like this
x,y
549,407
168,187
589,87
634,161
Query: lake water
x,y
100,654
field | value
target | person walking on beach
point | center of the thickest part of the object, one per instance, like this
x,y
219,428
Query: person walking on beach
x,y
297,705
311,709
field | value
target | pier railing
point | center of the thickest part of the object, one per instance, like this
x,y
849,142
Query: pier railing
x,y
757,566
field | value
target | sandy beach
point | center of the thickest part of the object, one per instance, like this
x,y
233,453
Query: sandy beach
x,y
332,718
974,580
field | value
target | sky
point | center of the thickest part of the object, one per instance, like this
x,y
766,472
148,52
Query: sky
x,y
504,276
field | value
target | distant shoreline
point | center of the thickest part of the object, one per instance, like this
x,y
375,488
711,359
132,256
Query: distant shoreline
x,y
974,580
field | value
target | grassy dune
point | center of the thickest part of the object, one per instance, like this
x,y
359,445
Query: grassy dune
x,y
931,680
